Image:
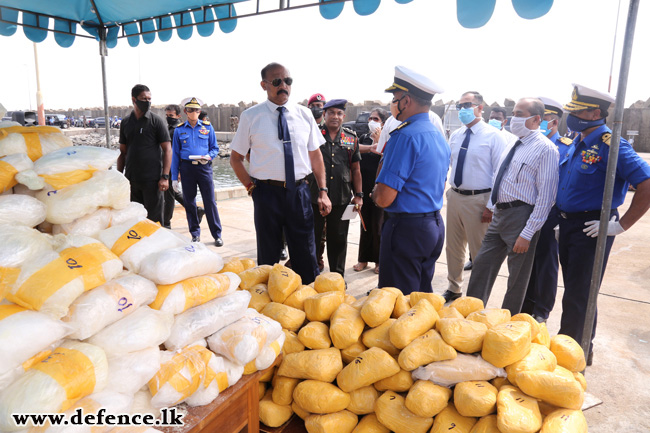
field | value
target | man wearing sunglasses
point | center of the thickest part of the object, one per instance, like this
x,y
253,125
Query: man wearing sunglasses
x,y
476,149
284,143
410,187
194,147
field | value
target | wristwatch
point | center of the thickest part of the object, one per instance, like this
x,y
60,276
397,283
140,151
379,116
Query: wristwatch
x,y
358,194
323,189
165,177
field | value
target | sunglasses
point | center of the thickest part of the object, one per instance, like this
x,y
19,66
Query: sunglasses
x,y
278,81
193,110
465,105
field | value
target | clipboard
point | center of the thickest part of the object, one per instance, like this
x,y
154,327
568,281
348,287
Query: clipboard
x,y
349,213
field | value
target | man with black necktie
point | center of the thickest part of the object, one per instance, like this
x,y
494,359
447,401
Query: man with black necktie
x,y
284,143
476,149
523,192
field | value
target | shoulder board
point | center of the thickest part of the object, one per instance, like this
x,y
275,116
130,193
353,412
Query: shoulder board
x,y
566,140
606,138
348,130
403,125
206,122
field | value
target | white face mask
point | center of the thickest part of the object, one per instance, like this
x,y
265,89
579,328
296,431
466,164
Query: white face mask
x,y
518,126
372,125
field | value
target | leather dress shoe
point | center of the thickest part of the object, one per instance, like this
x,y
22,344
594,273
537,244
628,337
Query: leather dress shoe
x,y
450,296
468,266
196,239
590,359
218,242
539,318
283,254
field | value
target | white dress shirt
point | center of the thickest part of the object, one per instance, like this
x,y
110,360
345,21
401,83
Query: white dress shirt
x,y
258,131
511,138
484,152
392,123
532,176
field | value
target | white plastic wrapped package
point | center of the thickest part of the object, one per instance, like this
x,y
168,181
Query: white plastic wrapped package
x,y
234,371
135,240
176,264
108,303
104,189
10,166
461,369
142,403
139,330
88,225
216,380
65,167
23,334
242,340
269,352
192,292
112,403
128,372
20,209
35,141
134,211
73,371
206,319
52,281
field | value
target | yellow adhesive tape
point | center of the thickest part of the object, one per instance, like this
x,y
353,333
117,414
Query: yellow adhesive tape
x,y
63,180
250,368
222,381
8,277
7,176
132,236
198,290
170,373
8,310
40,356
276,347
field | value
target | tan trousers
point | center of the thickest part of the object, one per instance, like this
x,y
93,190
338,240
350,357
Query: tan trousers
x,y
464,227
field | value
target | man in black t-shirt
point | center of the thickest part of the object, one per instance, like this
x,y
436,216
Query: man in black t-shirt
x,y
145,152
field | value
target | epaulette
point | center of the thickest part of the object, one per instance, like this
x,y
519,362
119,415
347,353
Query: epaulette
x,y
402,125
348,130
206,122
606,138
566,140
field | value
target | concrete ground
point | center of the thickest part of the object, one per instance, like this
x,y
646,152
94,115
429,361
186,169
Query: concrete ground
x,y
620,375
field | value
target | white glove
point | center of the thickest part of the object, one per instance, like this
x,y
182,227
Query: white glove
x,y
176,185
613,228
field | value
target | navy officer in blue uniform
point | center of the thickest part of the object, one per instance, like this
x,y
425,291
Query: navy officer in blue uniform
x,y
410,187
193,147
542,286
579,200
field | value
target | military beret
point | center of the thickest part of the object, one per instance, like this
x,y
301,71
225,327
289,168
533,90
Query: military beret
x,y
336,103
316,97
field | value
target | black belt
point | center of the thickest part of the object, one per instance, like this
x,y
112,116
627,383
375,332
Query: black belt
x,y
510,204
281,183
471,191
411,215
586,215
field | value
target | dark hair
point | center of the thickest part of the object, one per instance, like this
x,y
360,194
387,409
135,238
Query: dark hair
x,y
383,114
137,89
477,96
269,67
420,101
175,108
536,107
499,110
203,115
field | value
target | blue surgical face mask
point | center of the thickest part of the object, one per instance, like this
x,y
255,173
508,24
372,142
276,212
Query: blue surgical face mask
x,y
496,123
543,127
577,124
466,115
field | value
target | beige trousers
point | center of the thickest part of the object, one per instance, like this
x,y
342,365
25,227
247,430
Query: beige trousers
x,y
464,227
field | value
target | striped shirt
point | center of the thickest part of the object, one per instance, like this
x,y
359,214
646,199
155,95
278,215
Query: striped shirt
x,y
532,177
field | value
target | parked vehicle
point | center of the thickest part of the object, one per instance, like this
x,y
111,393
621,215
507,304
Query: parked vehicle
x,y
99,122
25,118
56,120
360,126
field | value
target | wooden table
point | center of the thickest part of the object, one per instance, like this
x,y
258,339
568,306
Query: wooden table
x,y
234,410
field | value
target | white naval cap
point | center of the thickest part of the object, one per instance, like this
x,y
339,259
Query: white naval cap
x,y
584,98
410,81
551,106
192,102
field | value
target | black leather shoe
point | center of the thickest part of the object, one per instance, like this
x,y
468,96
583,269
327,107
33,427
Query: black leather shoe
x,y
218,242
450,296
196,239
468,266
539,318
590,359
200,212
283,254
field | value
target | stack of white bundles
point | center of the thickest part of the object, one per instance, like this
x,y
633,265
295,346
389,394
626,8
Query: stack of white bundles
x,y
20,209
216,380
34,141
128,372
142,329
134,211
134,240
242,340
50,282
142,403
24,334
108,303
109,402
234,371
73,371
69,166
104,189
10,166
176,264
193,292
89,225
206,319
269,352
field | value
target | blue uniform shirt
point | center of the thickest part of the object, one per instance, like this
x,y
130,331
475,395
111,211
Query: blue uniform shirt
x,y
416,160
561,147
188,140
583,171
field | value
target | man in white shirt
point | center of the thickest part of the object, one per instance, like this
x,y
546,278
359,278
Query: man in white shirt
x,y
476,150
498,119
523,192
284,141
391,124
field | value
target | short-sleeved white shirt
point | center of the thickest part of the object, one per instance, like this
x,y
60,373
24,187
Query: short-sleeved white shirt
x,y
258,131
392,123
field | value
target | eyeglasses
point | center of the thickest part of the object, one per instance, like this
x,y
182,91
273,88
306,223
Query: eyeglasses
x,y
277,81
376,119
193,110
465,105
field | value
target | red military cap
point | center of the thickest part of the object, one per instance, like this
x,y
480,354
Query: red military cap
x,y
316,97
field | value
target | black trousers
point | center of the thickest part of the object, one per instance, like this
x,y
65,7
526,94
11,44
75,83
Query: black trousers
x,y
150,196
373,217
193,176
171,197
336,236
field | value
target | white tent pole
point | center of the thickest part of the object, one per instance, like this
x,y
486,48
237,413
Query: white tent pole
x,y
40,107
103,51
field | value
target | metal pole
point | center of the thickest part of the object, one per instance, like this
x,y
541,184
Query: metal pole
x,y
611,65
40,107
103,51
611,175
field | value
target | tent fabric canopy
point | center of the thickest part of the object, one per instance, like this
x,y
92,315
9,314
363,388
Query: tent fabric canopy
x,y
144,19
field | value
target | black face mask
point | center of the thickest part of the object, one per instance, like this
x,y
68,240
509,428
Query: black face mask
x,y
171,121
317,112
143,106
